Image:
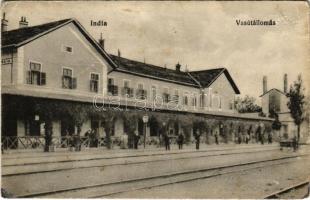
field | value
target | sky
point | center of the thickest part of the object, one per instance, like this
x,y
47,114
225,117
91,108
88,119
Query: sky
x,y
199,35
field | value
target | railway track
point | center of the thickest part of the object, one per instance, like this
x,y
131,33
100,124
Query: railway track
x,y
98,155
117,187
280,194
48,168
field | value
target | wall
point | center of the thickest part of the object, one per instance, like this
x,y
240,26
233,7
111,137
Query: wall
x,y
48,50
119,78
9,71
226,94
221,86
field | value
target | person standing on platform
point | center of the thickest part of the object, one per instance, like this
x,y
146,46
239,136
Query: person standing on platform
x,y
180,140
216,138
269,138
136,140
167,141
197,137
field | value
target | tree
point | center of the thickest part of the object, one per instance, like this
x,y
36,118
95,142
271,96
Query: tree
x,y
246,105
296,103
276,124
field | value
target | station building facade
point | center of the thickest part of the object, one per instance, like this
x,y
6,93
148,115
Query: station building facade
x,y
276,100
55,73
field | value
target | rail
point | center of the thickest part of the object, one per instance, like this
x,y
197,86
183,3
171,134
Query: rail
x,y
277,194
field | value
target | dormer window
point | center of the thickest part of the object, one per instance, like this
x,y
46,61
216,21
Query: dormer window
x,y
35,76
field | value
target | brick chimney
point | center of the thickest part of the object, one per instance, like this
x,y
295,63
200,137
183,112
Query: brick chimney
x,y
101,41
285,83
264,84
4,23
23,22
178,67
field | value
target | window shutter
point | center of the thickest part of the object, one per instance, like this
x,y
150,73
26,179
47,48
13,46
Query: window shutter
x,y
43,78
115,90
28,79
74,83
91,85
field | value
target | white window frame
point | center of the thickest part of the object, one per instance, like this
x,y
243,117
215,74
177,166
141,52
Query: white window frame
x,y
36,62
185,94
62,70
91,79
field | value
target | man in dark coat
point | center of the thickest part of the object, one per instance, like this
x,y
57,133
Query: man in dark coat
x,y
167,141
197,137
180,140
136,140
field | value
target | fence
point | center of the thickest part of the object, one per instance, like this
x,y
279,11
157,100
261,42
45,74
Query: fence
x,y
37,142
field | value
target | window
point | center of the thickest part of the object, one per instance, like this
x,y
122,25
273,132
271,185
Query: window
x,y
166,96
153,92
194,101
112,89
185,100
94,82
176,96
127,91
140,86
126,84
35,76
141,93
231,105
68,81
110,81
68,49
220,103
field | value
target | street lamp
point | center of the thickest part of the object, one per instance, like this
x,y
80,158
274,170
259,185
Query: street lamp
x,y
145,120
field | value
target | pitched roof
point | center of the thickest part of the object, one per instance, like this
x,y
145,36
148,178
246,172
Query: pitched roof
x,y
207,77
273,89
19,37
199,79
143,69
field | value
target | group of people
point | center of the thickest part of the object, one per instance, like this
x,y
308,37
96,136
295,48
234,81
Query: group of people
x,y
93,137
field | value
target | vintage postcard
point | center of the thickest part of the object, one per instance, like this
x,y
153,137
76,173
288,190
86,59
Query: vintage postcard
x,y
155,99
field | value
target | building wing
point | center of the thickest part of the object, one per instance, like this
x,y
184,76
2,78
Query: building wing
x,y
156,72
19,37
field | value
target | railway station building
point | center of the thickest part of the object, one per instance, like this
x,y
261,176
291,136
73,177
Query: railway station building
x,y
57,76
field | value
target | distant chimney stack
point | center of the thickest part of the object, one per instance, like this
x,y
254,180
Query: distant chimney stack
x,y
101,41
178,67
23,22
264,84
4,24
285,83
